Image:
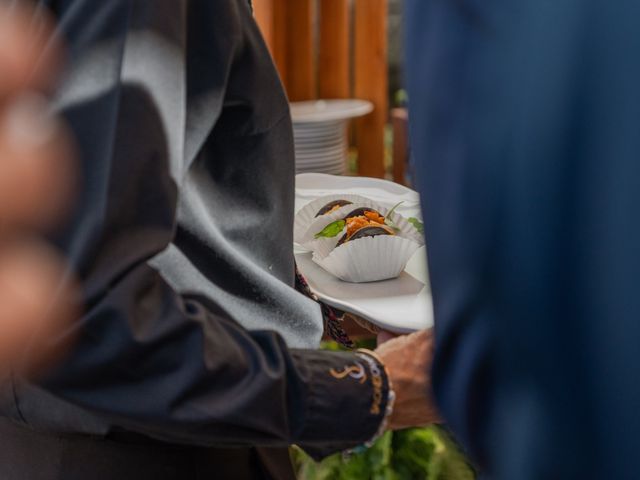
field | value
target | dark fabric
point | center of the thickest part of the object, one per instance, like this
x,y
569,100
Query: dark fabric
x,y
525,123
31,455
182,240
333,318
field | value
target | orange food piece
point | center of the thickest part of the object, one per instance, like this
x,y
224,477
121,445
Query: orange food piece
x,y
368,219
375,217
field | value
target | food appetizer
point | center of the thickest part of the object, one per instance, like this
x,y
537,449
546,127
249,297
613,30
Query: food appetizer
x,y
356,239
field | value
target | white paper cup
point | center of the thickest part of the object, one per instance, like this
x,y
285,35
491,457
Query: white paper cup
x,y
367,259
403,227
324,244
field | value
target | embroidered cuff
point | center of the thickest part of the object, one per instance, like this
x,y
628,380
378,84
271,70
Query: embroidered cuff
x,y
347,398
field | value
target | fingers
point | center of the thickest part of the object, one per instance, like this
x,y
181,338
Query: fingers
x,y
408,360
35,189
36,180
384,336
28,55
408,354
367,325
35,151
34,303
418,340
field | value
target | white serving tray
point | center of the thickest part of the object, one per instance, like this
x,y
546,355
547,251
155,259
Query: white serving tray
x,y
400,305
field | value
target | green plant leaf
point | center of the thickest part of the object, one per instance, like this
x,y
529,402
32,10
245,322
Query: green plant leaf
x,y
419,226
413,454
388,219
331,230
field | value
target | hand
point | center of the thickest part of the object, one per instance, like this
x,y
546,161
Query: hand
x,y
384,336
35,187
361,322
408,360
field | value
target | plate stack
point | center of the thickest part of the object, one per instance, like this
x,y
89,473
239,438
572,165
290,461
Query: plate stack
x,y
320,133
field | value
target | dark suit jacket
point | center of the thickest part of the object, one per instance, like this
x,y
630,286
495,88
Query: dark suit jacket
x,y
526,133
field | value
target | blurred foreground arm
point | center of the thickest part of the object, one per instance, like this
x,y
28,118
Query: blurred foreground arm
x,y
35,187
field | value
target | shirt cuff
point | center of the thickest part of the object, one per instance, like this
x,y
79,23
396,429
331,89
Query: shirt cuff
x,y
346,399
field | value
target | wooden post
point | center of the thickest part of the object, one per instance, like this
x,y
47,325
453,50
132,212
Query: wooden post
x,y
300,52
271,18
333,63
280,41
371,83
264,14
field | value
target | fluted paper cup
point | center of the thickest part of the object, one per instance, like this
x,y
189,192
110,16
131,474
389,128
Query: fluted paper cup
x,y
367,259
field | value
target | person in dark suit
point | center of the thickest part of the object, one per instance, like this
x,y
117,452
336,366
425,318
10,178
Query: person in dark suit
x,y
195,357
525,130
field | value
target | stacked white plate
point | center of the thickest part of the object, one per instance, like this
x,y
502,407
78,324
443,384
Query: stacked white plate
x,y
320,133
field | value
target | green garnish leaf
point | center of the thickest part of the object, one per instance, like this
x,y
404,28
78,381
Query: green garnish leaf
x,y
388,219
393,209
419,226
331,230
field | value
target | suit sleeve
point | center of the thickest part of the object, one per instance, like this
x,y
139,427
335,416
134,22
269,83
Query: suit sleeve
x,y
175,367
524,128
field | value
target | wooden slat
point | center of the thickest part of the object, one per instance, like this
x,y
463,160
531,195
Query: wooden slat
x,y
300,59
370,83
279,50
264,14
333,62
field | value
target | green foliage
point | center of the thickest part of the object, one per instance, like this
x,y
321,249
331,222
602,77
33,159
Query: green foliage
x,y
419,226
414,454
401,98
365,342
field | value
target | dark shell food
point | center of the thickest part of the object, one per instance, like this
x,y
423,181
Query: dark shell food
x,y
371,231
331,206
360,212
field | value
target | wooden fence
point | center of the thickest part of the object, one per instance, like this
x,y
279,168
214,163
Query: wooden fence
x,y
334,49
